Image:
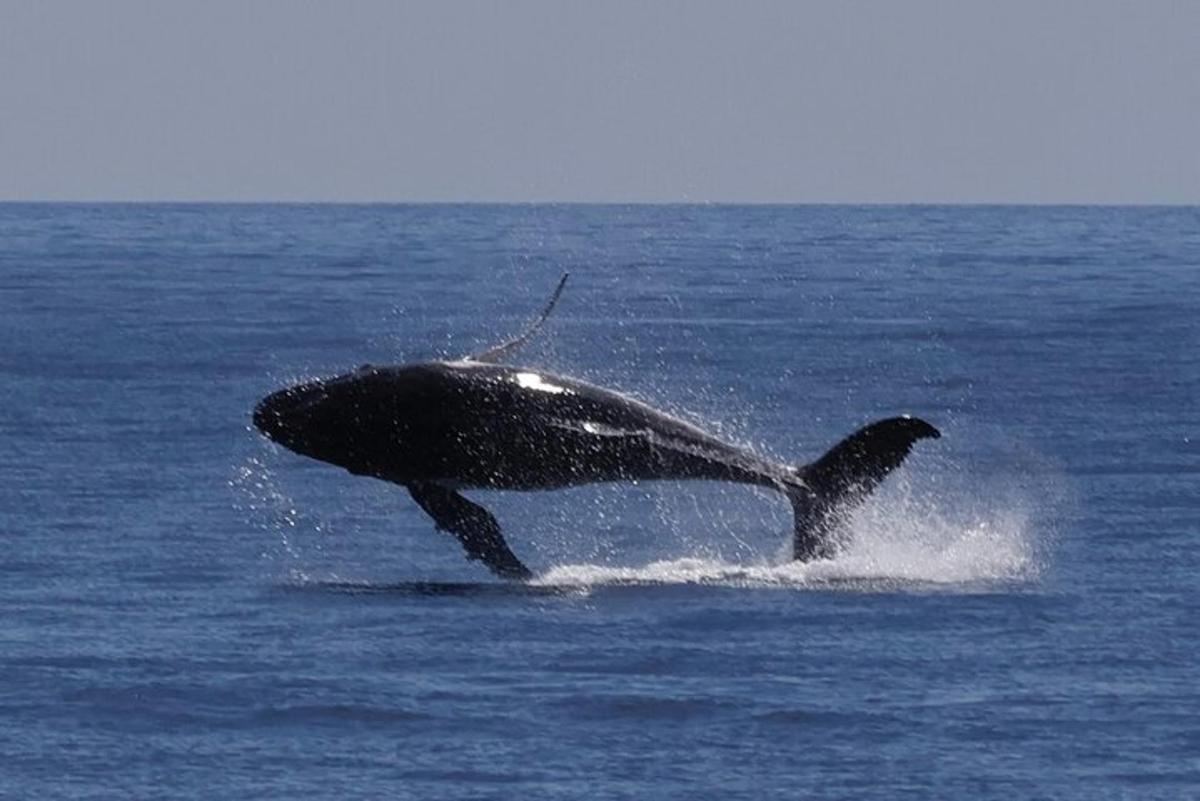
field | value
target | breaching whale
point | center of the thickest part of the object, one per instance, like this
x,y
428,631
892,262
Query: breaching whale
x,y
441,427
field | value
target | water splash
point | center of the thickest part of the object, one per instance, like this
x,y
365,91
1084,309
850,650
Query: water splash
x,y
268,508
904,536
949,522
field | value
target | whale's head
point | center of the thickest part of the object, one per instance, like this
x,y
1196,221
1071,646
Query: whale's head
x,y
292,416
337,420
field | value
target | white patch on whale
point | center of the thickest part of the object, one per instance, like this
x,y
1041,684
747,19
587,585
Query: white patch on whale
x,y
535,381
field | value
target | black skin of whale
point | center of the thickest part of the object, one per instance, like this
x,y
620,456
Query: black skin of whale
x,y
440,427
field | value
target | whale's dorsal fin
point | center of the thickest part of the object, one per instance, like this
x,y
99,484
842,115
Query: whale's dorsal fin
x,y
495,354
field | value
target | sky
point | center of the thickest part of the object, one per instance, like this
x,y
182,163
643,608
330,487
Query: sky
x,y
913,101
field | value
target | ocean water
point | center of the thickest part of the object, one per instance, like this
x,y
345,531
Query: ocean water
x,y
192,612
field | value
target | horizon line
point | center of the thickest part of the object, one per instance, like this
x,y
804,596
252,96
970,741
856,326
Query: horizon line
x,y
693,203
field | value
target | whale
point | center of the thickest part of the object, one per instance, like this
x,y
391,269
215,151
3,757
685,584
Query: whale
x,y
439,428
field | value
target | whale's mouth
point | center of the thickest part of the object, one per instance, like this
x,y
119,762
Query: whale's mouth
x,y
285,416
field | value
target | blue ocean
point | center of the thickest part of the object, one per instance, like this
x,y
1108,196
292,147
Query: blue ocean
x,y
191,611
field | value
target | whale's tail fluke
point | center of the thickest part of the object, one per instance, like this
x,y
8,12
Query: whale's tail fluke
x,y
836,483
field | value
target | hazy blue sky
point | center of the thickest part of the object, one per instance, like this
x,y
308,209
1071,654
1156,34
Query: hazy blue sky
x,y
1048,101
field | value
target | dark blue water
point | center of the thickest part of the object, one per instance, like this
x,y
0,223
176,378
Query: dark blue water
x,y
189,612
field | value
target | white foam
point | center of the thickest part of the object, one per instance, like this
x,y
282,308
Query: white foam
x,y
901,537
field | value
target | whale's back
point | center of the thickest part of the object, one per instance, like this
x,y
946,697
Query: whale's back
x,y
514,428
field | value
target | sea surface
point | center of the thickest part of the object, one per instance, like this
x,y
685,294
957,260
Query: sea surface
x,y
189,611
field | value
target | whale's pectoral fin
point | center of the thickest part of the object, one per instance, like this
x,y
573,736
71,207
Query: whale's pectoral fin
x,y
474,526
841,479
